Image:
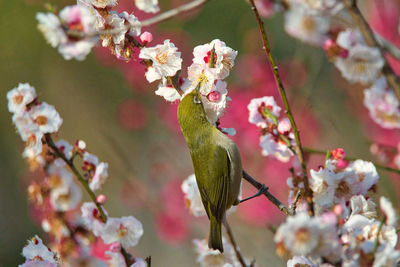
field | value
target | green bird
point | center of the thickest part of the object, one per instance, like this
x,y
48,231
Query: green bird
x,y
216,161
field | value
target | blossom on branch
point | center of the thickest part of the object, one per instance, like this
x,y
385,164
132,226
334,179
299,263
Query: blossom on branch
x,y
72,31
382,104
125,230
149,6
165,60
37,254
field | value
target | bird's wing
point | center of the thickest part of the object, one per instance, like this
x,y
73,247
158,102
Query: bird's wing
x,y
215,193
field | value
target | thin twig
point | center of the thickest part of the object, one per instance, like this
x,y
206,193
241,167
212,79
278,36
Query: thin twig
x,y
85,184
388,46
299,149
234,245
377,165
370,39
282,207
173,12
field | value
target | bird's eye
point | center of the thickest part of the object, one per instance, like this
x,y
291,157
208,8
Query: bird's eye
x,y
196,100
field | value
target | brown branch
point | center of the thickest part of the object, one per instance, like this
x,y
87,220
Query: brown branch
x,y
85,184
173,12
299,149
234,245
282,207
370,39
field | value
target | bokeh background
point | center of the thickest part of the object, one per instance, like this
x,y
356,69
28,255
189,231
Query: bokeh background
x,y
109,104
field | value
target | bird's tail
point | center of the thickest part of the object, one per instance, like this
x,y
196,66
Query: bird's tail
x,y
215,238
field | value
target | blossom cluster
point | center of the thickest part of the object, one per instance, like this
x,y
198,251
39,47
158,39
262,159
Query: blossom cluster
x,y
212,63
277,138
76,29
346,228
76,228
321,23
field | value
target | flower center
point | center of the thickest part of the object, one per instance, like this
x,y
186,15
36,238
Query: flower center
x,y
122,231
18,99
303,235
309,24
41,120
162,58
31,141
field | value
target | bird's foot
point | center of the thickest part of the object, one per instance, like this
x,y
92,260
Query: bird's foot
x,y
260,192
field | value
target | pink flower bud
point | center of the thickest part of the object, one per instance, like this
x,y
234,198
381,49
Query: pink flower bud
x,y
338,210
101,199
341,164
115,247
328,44
214,96
338,153
284,126
146,38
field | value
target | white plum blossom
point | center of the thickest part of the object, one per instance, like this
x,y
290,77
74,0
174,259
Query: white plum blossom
x,y
38,252
101,3
90,159
51,27
30,133
203,75
149,6
303,24
215,102
65,194
72,31
192,196
350,38
165,58
117,24
324,183
125,230
300,261
365,176
257,114
303,235
99,177
317,6
224,57
331,185
65,148
91,217
362,64
389,212
387,256
362,206
167,91
277,148
133,23
19,97
46,117
207,257
115,259
382,104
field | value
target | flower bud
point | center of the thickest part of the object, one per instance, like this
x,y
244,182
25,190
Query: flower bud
x,y
101,199
146,38
214,96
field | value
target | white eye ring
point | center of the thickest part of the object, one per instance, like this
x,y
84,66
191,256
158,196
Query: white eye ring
x,y
196,100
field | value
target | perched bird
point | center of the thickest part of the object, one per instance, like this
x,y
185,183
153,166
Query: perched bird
x,y
216,162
